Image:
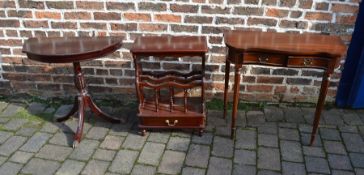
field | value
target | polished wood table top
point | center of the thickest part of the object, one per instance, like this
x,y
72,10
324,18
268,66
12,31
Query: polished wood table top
x,y
169,44
286,43
281,50
70,49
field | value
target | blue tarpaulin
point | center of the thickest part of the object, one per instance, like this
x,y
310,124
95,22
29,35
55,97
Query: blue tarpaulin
x,y
351,88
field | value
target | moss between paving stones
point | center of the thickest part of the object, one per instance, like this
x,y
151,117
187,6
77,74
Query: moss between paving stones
x,y
131,102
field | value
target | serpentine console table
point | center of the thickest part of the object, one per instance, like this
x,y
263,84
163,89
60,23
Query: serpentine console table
x,y
73,50
283,50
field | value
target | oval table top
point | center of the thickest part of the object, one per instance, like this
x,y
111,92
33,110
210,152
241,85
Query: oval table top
x,y
286,43
70,49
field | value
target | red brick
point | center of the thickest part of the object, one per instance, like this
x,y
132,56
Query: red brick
x,y
344,8
215,39
198,19
215,10
63,78
270,80
264,97
47,15
167,18
216,1
119,64
20,13
215,30
199,1
310,90
184,8
153,27
233,1
287,3
12,60
90,5
21,85
7,4
249,79
294,90
35,24
318,16
262,21
60,4
293,24
255,2
107,16
9,23
152,6
120,6
229,20
137,16
10,42
77,15
184,28
269,2
5,51
248,11
31,4
111,81
322,6
176,66
48,87
299,81
64,25
93,25
305,4
274,12
40,33
280,89
259,88
345,19
124,27
296,14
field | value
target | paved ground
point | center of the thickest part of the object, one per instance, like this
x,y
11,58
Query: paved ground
x,y
272,141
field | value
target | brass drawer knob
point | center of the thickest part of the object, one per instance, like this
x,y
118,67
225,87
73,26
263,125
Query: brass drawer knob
x,y
307,62
172,124
263,60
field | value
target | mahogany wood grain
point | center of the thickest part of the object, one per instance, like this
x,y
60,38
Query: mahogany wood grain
x,y
282,50
307,44
73,50
170,111
70,49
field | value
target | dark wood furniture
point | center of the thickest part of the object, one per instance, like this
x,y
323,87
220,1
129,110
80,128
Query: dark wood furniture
x,y
73,50
169,110
284,50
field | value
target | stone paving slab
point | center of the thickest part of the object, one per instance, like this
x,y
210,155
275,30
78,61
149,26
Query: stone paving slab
x,y
269,141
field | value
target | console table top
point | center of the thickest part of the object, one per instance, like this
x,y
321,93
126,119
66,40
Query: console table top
x,y
169,44
286,43
70,49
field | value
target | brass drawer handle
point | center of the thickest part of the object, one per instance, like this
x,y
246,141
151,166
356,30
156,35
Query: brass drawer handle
x,y
307,62
263,60
170,124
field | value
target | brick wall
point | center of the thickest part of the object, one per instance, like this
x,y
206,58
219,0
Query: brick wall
x,y
22,19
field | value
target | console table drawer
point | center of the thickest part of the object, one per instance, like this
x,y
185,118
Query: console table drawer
x,y
265,59
309,62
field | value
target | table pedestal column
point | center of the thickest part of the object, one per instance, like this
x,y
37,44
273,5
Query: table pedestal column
x,y
83,100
